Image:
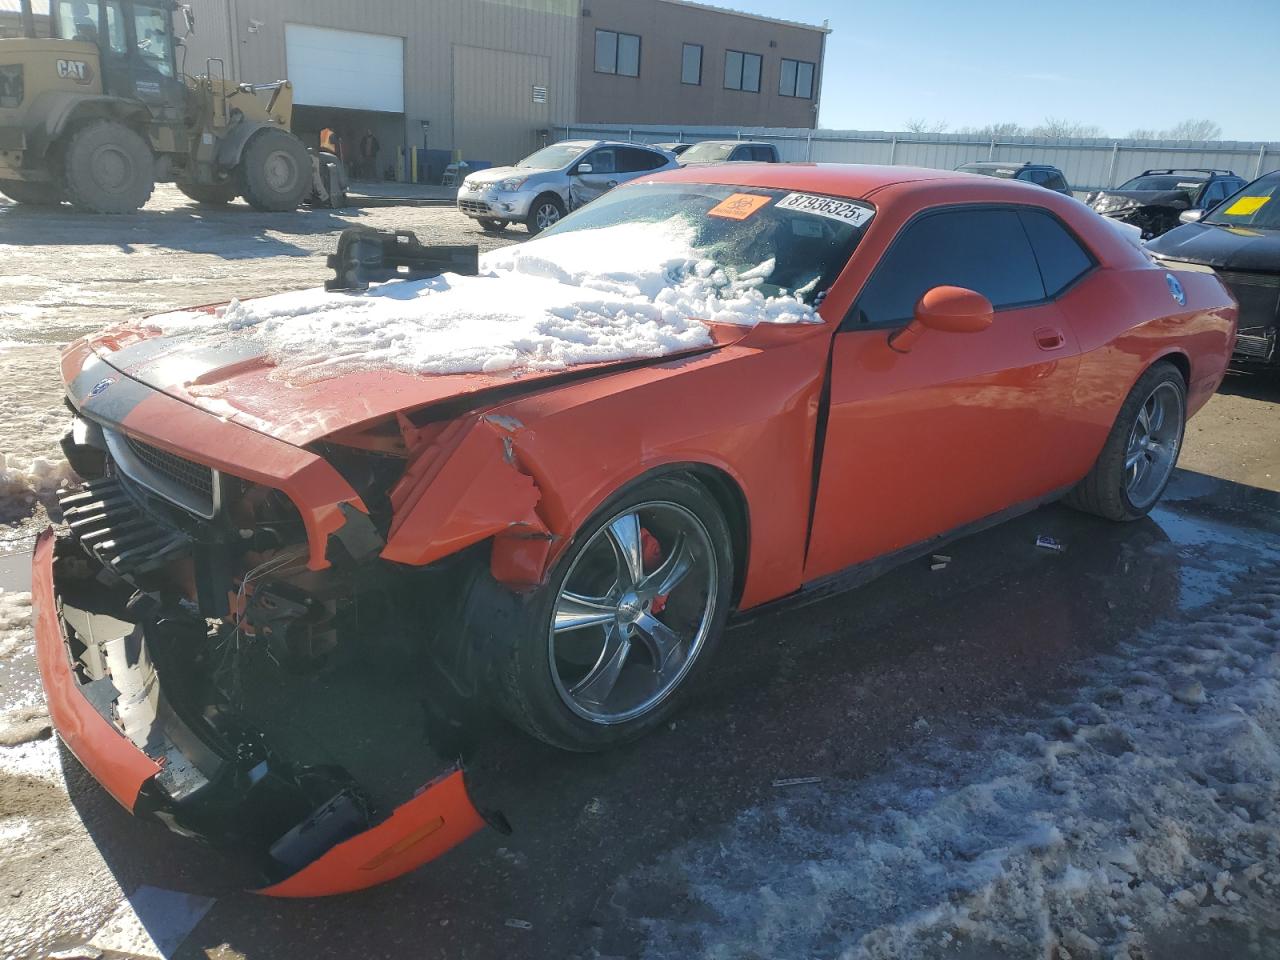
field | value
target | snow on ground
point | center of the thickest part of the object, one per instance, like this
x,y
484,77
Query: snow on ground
x,y
1144,810
635,290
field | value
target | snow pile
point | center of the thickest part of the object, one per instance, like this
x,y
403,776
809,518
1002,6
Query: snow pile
x,y
635,290
15,623
21,478
1143,811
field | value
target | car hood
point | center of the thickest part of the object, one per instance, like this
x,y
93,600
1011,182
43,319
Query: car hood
x,y
498,174
1222,247
1142,198
234,380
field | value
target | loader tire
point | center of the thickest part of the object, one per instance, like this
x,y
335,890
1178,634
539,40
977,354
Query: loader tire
x,y
211,194
31,194
275,171
108,168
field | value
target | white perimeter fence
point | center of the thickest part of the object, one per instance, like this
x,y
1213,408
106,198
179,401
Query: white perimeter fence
x,y
1089,164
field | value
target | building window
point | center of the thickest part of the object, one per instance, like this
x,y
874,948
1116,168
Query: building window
x,y
617,53
796,79
691,64
742,71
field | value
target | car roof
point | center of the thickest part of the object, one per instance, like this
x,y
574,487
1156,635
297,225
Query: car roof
x,y
999,164
587,144
853,180
737,143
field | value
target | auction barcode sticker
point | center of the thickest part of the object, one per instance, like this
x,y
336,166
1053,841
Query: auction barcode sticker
x,y
853,214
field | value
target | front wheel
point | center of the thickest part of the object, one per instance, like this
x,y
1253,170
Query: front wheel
x,y
545,212
1141,451
275,171
630,615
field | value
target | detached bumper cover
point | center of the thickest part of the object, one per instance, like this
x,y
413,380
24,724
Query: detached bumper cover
x,y
104,717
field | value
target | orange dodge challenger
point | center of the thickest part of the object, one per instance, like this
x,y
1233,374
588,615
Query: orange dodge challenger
x,y
280,577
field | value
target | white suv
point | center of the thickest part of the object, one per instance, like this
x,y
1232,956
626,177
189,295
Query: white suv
x,y
546,185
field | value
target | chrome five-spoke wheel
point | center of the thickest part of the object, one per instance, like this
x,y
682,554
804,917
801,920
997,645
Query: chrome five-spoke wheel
x,y
1153,445
633,612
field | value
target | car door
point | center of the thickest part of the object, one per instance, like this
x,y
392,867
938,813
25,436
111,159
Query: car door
x,y
962,426
593,175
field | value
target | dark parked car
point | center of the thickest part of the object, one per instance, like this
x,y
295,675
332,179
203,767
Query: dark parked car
x,y
673,147
1043,174
729,151
1153,199
1240,241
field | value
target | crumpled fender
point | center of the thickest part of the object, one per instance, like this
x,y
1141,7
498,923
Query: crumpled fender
x,y
465,488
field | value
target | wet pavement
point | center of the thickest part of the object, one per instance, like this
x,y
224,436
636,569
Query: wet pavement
x,y
833,690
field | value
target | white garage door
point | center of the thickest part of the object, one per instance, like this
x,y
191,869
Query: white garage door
x,y
342,68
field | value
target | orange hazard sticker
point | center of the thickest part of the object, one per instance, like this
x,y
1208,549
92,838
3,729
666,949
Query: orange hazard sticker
x,y
738,206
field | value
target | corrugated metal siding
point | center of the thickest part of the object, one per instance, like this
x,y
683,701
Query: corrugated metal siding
x,y
494,112
1088,164
431,28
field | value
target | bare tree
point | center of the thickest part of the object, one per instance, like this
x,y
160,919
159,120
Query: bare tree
x,y
926,126
1144,133
994,131
1193,130
1054,127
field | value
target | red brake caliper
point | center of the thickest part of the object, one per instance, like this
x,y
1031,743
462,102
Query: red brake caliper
x,y
651,553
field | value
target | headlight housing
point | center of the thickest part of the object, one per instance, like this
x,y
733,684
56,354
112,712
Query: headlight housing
x,y
512,184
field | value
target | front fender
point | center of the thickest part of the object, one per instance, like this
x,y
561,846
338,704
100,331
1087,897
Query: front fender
x,y
231,146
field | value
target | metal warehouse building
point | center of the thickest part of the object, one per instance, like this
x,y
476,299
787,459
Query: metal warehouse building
x,y
492,79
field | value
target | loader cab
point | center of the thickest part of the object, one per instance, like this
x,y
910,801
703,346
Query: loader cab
x,y
136,46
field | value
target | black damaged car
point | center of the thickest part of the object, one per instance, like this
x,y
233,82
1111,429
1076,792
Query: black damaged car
x,y
1153,200
1239,239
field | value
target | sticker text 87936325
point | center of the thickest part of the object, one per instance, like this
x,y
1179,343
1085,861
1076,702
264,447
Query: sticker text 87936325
x,y
845,211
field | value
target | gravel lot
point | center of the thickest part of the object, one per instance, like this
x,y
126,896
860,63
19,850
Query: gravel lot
x,y
664,849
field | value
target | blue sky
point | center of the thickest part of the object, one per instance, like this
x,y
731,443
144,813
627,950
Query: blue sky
x,y
1120,65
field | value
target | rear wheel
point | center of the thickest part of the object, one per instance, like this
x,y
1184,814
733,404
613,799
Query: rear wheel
x,y
108,168
275,171
629,617
211,194
545,212
1141,451
31,194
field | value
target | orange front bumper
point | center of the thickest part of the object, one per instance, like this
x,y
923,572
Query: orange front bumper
x,y
439,817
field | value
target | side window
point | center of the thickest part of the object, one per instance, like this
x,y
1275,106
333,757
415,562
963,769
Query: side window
x,y
602,161
740,153
1040,177
631,160
1061,256
1057,182
982,250
154,39
1214,194
762,154
115,29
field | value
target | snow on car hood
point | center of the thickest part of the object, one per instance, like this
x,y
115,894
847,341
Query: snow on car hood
x,y
495,174
300,365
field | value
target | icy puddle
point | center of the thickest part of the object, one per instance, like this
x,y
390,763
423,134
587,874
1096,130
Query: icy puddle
x,y
1141,820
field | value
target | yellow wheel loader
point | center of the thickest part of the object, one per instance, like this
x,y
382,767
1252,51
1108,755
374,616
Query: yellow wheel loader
x,y
100,111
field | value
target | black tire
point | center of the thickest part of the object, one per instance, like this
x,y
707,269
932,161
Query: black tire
x,y
108,168
543,212
1105,492
211,194
513,630
275,171
493,226
32,194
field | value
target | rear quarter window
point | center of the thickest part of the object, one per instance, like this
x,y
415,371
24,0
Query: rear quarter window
x,y
1062,258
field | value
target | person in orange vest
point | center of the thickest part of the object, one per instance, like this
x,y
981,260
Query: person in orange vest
x,y
326,140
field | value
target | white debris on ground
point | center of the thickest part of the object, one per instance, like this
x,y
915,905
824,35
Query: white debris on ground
x,y
1146,811
591,296
15,623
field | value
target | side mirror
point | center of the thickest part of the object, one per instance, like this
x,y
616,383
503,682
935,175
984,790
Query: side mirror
x,y
1191,216
947,310
583,168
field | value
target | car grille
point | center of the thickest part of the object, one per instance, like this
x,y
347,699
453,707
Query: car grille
x,y
473,206
195,477
1259,298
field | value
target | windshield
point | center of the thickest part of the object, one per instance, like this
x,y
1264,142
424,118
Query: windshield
x,y
707,152
1004,173
553,157
1164,181
154,37
782,243
1257,205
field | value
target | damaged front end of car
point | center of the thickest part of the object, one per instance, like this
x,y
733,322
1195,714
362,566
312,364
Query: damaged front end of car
x,y
231,655
1152,212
